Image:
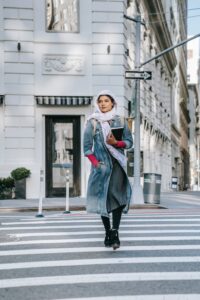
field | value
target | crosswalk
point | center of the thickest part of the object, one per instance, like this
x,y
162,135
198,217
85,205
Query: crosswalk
x,y
63,257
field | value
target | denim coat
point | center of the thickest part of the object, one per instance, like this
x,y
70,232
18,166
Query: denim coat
x,y
99,178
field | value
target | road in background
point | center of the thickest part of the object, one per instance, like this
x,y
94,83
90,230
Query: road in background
x,y
181,199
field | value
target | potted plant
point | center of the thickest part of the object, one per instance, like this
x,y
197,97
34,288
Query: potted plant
x,y
19,175
6,187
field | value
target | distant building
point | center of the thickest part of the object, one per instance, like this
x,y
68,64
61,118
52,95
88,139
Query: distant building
x,y
193,76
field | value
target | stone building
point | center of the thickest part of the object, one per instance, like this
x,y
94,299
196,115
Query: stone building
x,y
164,99
56,55
193,70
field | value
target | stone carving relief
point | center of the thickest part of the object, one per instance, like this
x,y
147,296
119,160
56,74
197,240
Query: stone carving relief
x,y
62,15
63,64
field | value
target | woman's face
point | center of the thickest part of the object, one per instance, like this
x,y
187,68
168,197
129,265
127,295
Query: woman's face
x,y
105,104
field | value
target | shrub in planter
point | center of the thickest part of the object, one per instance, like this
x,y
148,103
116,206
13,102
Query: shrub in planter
x,y
6,187
20,175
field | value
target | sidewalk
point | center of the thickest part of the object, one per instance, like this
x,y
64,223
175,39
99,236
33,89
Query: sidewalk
x,y
54,204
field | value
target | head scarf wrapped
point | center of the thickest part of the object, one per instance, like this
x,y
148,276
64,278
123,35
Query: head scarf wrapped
x,y
107,116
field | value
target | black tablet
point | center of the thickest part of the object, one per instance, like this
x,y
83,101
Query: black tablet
x,y
117,132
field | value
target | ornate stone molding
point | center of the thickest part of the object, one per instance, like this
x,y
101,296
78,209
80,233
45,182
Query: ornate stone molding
x,y
63,64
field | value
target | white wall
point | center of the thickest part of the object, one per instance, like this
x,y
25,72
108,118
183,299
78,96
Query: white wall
x,y
108,48
193,50
18,68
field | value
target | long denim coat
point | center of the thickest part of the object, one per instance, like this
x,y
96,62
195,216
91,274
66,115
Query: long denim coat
x,y
99,178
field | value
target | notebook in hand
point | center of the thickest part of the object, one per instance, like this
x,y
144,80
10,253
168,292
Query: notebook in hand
x,y
117,132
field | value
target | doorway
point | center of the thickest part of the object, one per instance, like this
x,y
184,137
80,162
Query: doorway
x,y
62,155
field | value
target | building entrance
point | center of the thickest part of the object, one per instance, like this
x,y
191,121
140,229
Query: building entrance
x,y
62,154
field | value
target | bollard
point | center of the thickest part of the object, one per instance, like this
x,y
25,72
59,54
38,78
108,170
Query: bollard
x,y
67,194
40,214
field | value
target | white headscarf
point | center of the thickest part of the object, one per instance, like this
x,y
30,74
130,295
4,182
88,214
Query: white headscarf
x,y
103,119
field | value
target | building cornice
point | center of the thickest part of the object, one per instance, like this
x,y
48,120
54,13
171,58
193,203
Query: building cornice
x,y
161,30
185,111
175,131
183,82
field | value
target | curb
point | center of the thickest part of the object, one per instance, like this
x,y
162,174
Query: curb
x,y
74,208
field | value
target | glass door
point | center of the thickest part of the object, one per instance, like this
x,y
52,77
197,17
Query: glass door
x,y
62,155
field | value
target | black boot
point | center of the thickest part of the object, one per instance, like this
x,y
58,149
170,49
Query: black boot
x,y
114,239
107,242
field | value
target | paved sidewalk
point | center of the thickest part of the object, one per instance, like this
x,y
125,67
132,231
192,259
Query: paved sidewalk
x,y
48,204
170,200
54,204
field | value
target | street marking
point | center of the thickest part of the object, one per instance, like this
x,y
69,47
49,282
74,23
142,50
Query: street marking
x,y
99,261
99,226
89,232
97,249
96,278
98,221
142,297
127,216
90,239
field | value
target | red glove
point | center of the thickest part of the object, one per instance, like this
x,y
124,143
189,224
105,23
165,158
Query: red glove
x,y
93,160
120,144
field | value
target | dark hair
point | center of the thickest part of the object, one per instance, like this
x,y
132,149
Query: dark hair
x,y
111,98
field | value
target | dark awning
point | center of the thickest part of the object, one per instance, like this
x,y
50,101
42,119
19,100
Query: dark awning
x,y
63,100
1,99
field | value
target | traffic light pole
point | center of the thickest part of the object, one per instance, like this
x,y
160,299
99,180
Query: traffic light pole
x,y
138,197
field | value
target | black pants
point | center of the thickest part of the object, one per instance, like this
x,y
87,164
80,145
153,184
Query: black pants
x,y
116,218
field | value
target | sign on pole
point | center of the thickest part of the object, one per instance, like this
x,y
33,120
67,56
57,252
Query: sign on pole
x,y
144,75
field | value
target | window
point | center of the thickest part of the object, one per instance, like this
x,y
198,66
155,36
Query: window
x,y
62,16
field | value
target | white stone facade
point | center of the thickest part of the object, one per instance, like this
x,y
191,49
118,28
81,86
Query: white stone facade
x,y
36,62
193,71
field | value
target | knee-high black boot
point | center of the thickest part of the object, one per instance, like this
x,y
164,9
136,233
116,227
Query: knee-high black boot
x,y
106,223
114,235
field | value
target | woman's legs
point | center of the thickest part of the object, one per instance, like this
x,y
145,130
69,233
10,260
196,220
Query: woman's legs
x,y
114,236
106,223
116,217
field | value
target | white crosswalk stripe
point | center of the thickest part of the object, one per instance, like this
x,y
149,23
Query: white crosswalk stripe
x,y
158,259
154,297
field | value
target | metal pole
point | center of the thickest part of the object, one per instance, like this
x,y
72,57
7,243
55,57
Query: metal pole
x,y
67,194
40,214
169,49
138,197
198,161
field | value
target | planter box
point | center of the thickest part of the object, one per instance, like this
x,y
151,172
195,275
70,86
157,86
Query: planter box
x,y
20,189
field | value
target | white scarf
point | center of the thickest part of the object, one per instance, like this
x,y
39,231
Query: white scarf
x,y
103,118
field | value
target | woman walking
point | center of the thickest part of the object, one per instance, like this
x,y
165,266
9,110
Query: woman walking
x,y
109,190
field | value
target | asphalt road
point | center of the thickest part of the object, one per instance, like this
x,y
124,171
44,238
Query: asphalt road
x,y
63,257
188,199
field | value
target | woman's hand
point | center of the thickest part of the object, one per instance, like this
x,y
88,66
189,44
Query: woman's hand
x,y
111,140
